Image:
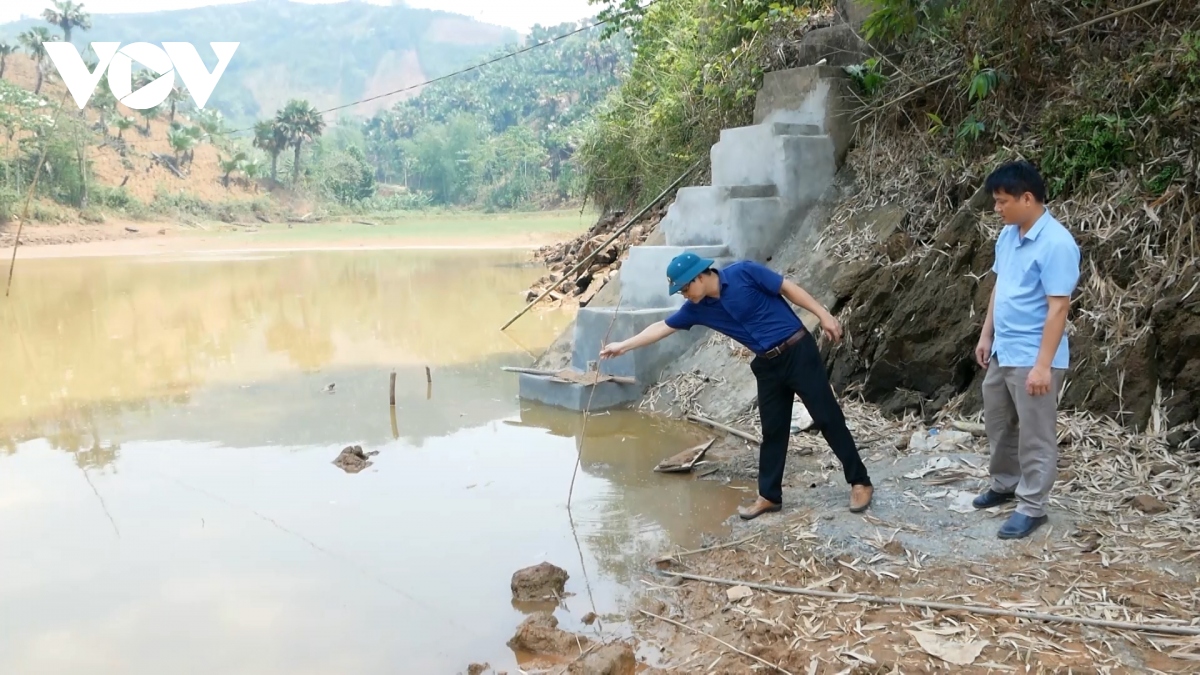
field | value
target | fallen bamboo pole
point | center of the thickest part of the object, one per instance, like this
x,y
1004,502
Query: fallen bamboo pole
x,y
620,379
621,230
927,604
713,637
727,429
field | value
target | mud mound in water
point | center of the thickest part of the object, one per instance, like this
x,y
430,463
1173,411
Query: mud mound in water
x,y
616,659
540,582
353,459
540,634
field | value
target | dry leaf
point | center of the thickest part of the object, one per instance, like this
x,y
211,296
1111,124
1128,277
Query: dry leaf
x,y
739,593
958,653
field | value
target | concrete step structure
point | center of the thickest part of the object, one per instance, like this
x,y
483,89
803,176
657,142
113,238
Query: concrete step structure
x,y
766,177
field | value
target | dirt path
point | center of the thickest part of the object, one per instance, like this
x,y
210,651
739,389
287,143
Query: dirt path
x,y
155,238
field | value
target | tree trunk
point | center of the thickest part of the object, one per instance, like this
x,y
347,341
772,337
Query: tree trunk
x,y
296,167
275,167
38,89
3,60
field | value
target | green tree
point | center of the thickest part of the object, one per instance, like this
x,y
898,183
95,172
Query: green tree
x,y
68,15
270,137
32,40
5,50
301,123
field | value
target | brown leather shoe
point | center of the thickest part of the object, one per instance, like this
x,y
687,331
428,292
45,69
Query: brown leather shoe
x,y
759,507
860,497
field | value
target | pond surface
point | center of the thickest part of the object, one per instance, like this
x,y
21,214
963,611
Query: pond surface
x,y
168,501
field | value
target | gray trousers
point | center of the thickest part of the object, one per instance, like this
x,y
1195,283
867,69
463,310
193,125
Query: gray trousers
x,y
1022,435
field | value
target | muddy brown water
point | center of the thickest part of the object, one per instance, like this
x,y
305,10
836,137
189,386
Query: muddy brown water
x,y
168,501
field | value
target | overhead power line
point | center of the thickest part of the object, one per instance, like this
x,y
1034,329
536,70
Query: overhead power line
x,y
468,69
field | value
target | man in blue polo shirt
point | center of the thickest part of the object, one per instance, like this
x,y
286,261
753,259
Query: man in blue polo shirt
x,y
1023,346
749,302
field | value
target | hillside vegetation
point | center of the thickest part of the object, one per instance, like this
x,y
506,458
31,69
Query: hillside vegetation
x,y
502,136
498,137
327,54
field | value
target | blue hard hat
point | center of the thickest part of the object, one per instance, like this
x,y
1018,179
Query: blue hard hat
x,y
685,267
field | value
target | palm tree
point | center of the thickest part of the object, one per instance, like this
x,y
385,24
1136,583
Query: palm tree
x,y
32,40
67,15
228,166
122,123
269,137
5,50
301,123
181,141
149,114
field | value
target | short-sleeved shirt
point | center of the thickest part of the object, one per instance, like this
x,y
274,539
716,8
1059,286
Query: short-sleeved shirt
x,y
750,309
1029,268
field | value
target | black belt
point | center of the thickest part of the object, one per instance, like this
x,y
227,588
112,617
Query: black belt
x,y
783,346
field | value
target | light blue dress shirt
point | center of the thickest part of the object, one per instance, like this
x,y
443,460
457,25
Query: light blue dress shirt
x,y
1042,263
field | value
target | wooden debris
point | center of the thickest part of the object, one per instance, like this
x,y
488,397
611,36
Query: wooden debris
x,y
683,462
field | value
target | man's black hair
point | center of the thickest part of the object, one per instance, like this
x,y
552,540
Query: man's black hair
x,y
1017,178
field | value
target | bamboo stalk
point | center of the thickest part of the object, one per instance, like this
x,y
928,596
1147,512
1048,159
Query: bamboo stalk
x,y
927,604
392,390
620,379
727,429
684,554
621,230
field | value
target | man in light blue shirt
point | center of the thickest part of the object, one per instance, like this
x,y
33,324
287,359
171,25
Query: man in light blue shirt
x,y
1024,347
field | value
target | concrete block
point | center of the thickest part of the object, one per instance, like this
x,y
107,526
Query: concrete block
x,y
576,396
804,168
753,227
839,45
698,217
645,364
810,95
694,218
644,274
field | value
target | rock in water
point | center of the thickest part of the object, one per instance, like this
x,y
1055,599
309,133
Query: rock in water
x,y
540,634
615,659
352,459
540,582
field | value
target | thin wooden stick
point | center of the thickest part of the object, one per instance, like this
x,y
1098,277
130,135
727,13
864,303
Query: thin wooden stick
x,y
619,379
29,195
628,224
727,429
392,390
712,637
683,554
927,604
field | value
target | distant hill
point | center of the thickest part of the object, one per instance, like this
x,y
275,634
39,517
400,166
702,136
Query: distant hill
x,y
328,54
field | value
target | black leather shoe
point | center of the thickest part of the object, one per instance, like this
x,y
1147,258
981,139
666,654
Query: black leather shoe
x,y
1020,525
992,498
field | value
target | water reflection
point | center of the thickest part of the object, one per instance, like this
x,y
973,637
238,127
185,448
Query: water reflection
x,y
116,329
168,501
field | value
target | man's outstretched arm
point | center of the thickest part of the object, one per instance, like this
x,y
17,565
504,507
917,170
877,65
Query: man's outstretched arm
x,y
653,333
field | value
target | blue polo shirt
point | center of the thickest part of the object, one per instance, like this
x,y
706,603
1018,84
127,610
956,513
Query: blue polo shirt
x,y
750,309
1044,262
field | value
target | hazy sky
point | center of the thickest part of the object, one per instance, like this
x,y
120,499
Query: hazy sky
x,y
517,14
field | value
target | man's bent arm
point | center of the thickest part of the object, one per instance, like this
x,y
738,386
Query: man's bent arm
x,y
801,298
1052,332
